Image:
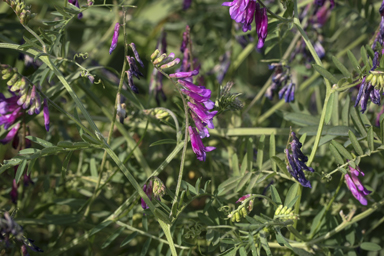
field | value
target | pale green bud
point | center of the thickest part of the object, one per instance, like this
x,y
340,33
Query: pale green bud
x,y
155,54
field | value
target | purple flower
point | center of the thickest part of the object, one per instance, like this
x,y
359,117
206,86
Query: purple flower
x,y
187,4
184,74
203,114
14,193
288,91
203,131
261,25
378,116
148,191
184,43
381,10
197,145
11,134
297,161
114,38
322,2
355,186
241,199
367,91
242,11
199,99
27,180
46,115
137,57
375,61
8,105
319,49
196,89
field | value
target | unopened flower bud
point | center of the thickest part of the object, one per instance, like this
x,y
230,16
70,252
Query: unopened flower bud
x,y
114,38
155,54
244,212
159,59
137,57
184,74
170,64
250,205
121,113
13,80
237,216
284,210
158,188
278,210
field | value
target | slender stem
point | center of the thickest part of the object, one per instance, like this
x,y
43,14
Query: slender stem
x,y
117,101
185,140
273,14
36,36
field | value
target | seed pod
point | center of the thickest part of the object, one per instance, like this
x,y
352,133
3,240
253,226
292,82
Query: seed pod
x,y
155,54
159,59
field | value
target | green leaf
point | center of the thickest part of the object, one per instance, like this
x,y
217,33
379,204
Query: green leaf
x,y
235,165
371,146
228,183
342,150
99,227
291,195
65,165
251,242
252,183
244,164
368,246
93,168
249,154
281,165
363,53
335,112
28,151
302,119
230,252
327,130
9,163
162,142
260,152
355,143
281,239
242,251
264,243
353,60
39,141
275,195
20,170
341,67
336,154
243,181
272,150
345,111
357,121
112,237
31,165
197,185
325,74
146,247
382,128
129,239
330,105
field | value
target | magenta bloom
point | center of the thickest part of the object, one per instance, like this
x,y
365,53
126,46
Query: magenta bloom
x,y
148,191
11,134
203,114
354,185
261,25
241,199
46,115
114,38
199,99
196,89
203,131
187,4
242,11
197,145
184,74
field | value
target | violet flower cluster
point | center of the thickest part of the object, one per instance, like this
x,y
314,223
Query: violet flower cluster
x,y
281,78
24,98
372,84
244,11
296,162
153,189
354,185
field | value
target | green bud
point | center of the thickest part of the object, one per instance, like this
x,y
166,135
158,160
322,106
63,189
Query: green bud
x,y
13,80
381,80
374,80
170,64
7,74
22,99
244,212
278,210
155,54
369,78
284,210
160,59
158,188
23,83
250,205
238,217
19,8
233,217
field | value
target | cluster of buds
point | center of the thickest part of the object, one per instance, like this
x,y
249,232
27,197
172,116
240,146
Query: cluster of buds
x,y
21,10
285,213
155,188
243,210
28,97
11,231
296,162
158,113
133,68
227,100
280,79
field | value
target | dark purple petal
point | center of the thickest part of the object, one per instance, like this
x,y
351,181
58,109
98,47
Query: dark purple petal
x,y
114,38
11,134
46,115
361,90
196,89
184,74
137,57
14,194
